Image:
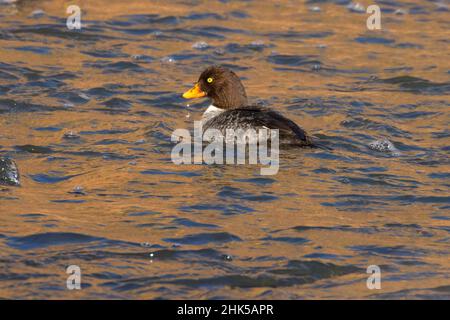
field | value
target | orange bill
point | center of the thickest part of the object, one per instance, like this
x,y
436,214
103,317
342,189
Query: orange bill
x,y
195,92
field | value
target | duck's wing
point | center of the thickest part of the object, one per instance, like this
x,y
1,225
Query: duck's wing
x,y
259,117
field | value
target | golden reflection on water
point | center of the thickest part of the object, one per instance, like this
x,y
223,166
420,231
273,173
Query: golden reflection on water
x,y
116,188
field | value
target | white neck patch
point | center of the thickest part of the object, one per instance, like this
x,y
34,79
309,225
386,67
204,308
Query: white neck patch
x,y
211,112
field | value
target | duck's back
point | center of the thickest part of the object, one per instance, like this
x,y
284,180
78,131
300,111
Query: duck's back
x,y
255,117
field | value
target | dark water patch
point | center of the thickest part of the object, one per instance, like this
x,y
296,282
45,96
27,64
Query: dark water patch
x,y
204,238
50,129
411,199
75,97
440,175
368,124
324,170
294,60
225,209
187,174
204,16
293,35
329,156
399,69
169,101
246,48
35,49
257,181
51,178
105,54
108,142
415,115
107,131
339,228
291,240
9,276
357,202
415,228
196,33
58,31
377,179
374,40
7,76
10,105
34,149
408,45
441,135
104,155
293,273
43,240
147,19
192,224
101,92
236,193
19,72
418,85
418,10
315,269
117,103
143,213
68,201
32,215
239,14
396,252
116,67
322,256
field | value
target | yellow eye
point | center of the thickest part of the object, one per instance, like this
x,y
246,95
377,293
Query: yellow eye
x,y
210,80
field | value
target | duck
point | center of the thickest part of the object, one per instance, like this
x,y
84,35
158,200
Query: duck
x,y
230,108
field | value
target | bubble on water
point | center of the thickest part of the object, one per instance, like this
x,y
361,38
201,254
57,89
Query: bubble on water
x,y
219,51
68,105
37,13
140,141
200,45
78,190
84,96
314,9
441,6
400,12
141,58
385,146
356,7
167,59
227,257
71,135
257,44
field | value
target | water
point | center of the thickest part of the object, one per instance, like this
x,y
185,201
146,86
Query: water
x,y
87,115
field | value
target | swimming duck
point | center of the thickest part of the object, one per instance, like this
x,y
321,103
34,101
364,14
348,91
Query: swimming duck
x,y
230,108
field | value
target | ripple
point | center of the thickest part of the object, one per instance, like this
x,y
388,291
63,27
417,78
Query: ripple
x,y
204,238
43,240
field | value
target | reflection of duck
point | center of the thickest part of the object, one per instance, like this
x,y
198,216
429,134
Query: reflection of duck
x,y
230,110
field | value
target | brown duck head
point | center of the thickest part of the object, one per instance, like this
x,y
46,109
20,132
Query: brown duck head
x,y
222,86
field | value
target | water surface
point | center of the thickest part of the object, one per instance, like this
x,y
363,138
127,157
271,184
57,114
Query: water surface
x,y
87,115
